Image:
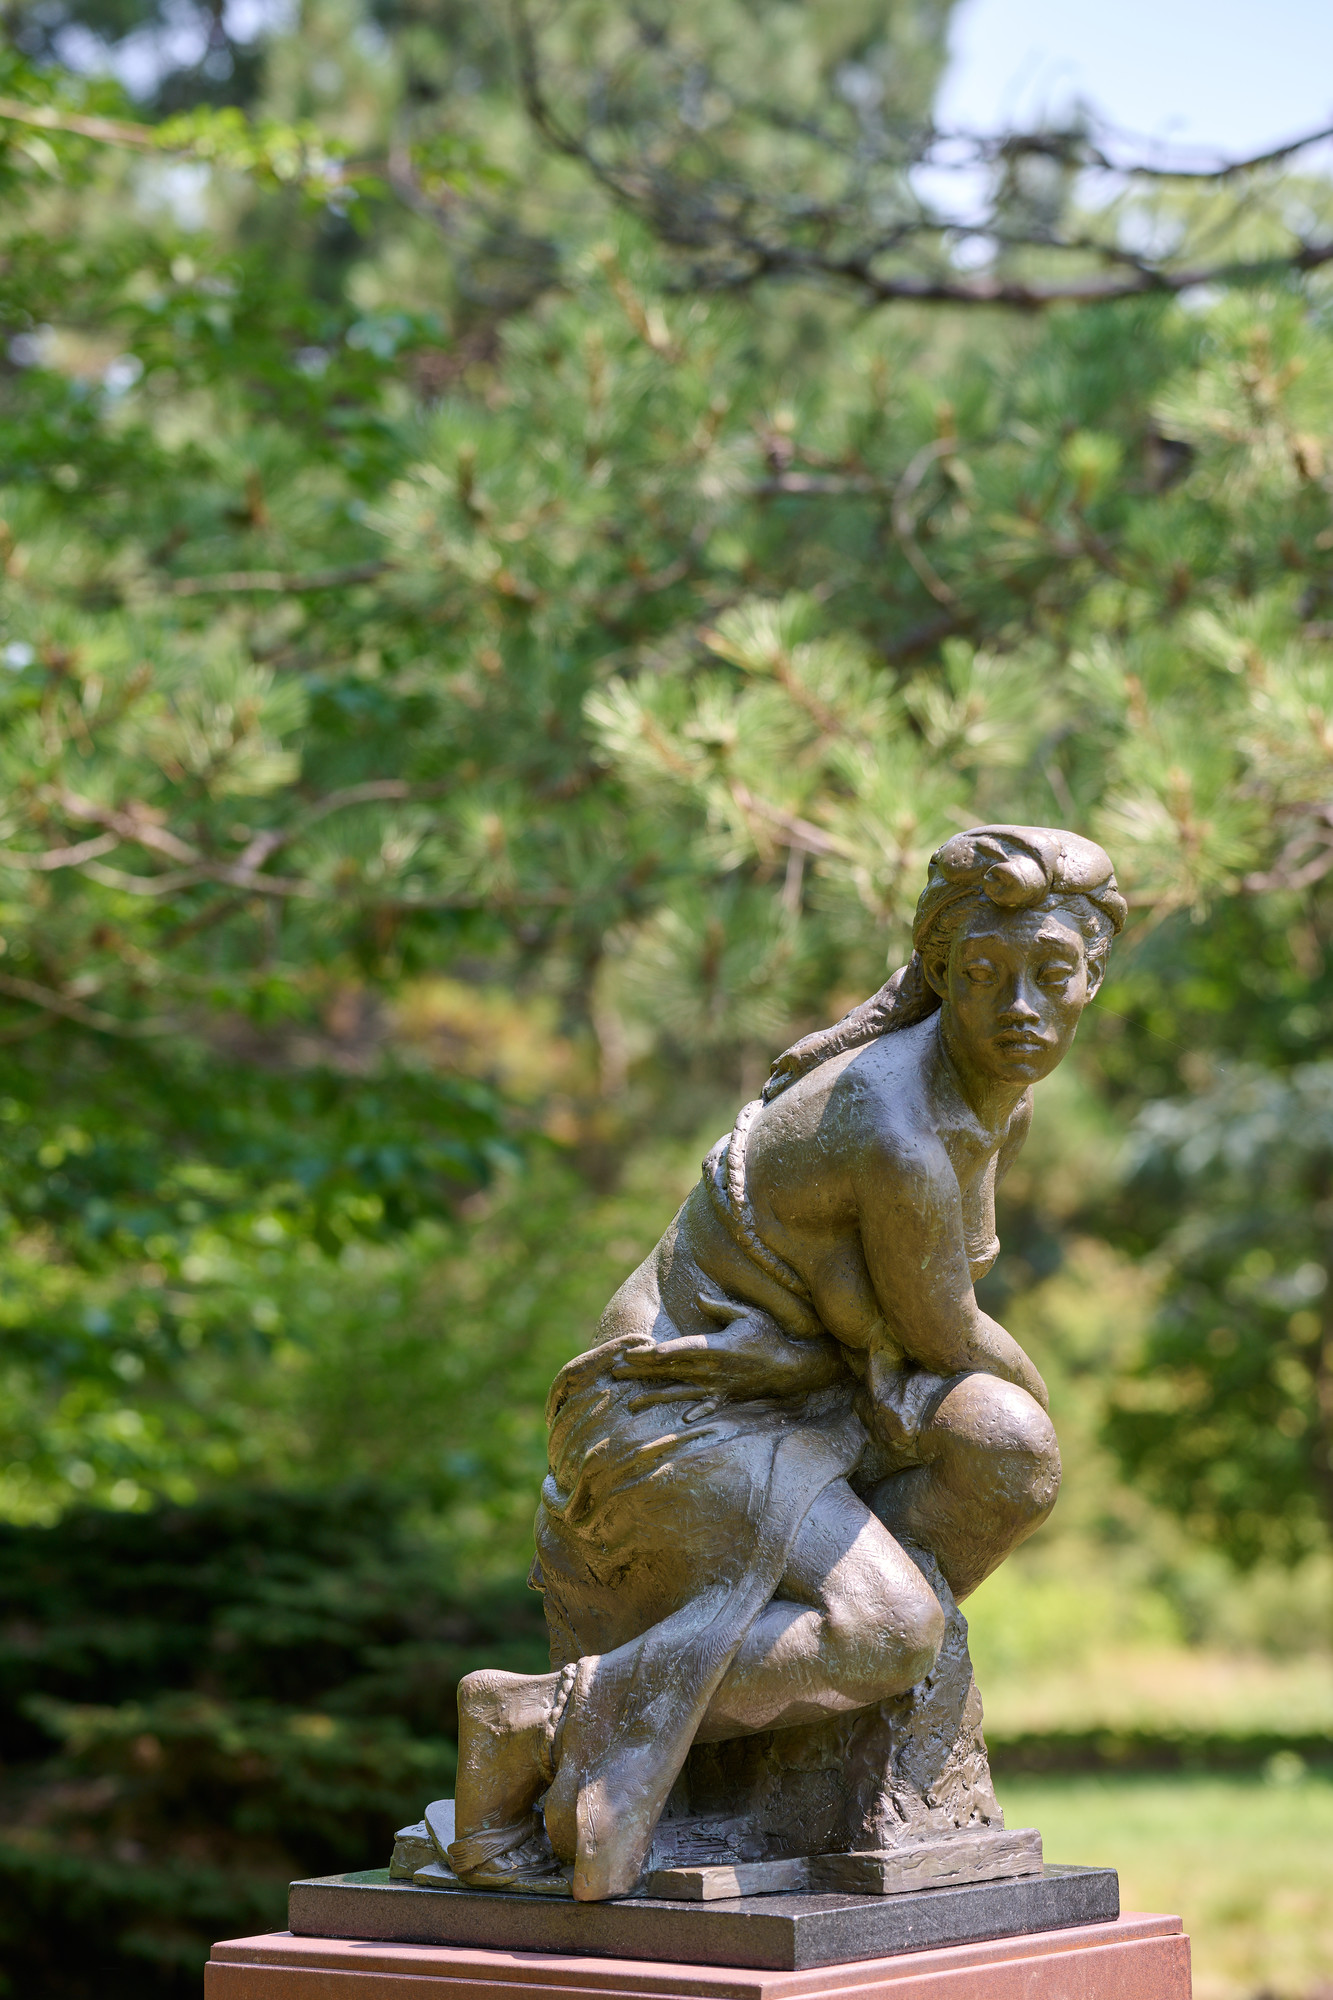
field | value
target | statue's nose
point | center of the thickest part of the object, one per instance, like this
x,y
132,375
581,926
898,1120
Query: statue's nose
x,y
1018,1004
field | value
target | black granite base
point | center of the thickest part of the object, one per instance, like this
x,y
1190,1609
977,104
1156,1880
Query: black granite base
x,y
767,1933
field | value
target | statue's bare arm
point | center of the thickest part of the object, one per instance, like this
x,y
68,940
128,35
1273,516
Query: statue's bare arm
x,y
915,1251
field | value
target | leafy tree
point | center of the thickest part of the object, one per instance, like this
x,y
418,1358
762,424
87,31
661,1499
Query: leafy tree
x,y
163,1215
781,146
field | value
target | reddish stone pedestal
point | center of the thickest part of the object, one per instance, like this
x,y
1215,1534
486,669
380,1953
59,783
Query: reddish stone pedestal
x,y
1134,1958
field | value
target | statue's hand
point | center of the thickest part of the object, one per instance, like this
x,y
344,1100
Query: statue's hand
x,y
748,1357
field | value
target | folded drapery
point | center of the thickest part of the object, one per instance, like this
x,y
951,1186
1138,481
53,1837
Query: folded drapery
x,y
659,1542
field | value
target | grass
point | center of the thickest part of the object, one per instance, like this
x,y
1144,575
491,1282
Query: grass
x,y
1166,1688
1247,1862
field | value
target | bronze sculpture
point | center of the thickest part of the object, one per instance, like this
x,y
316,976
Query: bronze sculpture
x,y
799,1441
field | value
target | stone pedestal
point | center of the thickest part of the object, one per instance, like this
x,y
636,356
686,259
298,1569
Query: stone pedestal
x,y
766,1933
1129,1958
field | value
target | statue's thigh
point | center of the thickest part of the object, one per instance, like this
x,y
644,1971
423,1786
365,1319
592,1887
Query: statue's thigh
x,y
845,1563
683,1521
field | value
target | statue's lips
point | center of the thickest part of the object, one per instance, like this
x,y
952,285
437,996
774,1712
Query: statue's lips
x,y
1020,1043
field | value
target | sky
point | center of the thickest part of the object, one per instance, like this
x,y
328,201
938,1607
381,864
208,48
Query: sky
x,y
1228,75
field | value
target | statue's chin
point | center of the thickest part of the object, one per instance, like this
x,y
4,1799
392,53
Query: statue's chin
x,y
1023,1065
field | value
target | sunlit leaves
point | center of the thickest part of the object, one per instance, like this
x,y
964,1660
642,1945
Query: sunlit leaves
x,y
713,972
403,591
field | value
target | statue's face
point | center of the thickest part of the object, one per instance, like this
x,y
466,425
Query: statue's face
x,y
1014,986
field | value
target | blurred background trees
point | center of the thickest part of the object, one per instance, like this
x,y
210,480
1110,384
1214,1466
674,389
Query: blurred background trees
x,y
507,577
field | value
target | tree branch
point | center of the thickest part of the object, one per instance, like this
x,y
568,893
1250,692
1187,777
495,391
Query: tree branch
x,y
134,822
61,1004
1296,867
1093,291
245,874
107,131
904,521
172,883
821,486
1221,170
241,581
751,233
796,832
61,857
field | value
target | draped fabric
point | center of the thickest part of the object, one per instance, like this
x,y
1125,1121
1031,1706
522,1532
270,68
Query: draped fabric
x,y
659,1541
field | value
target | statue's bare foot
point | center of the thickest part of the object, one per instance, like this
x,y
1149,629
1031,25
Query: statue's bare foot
x,y
504,1736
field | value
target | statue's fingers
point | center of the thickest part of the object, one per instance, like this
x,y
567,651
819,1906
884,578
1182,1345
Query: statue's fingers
x,y
655,1362
640,1368
686,1348
675,1392
635,1348
724,1310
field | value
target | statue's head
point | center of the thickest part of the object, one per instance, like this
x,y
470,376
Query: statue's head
x,y
1012,933
1004,908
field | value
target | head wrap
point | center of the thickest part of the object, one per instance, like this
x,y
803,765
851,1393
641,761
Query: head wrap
x,y
1016,868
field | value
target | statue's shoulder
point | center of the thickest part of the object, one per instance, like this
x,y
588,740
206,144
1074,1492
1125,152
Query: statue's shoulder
x,y
881,1100
890,1074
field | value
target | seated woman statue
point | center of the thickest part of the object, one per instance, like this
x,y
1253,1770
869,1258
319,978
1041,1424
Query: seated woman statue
x,y
796,1391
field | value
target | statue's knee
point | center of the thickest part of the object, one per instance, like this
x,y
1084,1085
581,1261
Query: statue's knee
x,y
1009,1443
920,1636
1031,1487
1023,1456
885,1639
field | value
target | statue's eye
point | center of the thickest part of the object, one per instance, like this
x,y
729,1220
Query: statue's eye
x,y
980,974
1055,974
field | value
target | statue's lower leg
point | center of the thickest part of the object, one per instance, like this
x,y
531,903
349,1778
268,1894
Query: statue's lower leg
x,y
797,1665
508,1726
855,1624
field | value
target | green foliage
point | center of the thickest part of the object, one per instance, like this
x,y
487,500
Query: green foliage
x,y
1229,1412
433,1373
196,1705
162,1214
